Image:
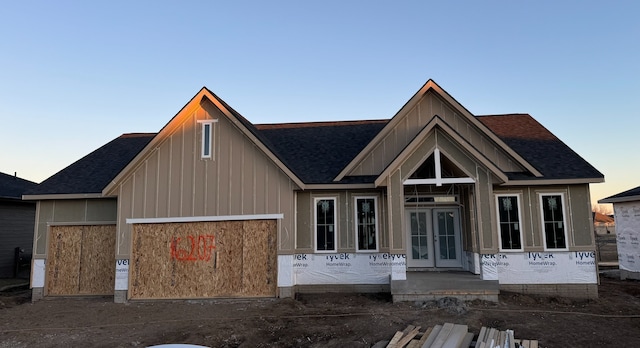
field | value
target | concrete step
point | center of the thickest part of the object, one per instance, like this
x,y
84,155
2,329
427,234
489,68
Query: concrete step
x,y
427,286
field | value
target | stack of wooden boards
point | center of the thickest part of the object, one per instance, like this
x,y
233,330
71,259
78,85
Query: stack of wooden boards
x,y
492,338
456,336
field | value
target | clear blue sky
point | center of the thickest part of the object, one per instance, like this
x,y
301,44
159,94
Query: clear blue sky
x,y
76,74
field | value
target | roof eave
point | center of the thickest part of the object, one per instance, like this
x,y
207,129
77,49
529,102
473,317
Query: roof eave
x,y
44,197
541,182
620,199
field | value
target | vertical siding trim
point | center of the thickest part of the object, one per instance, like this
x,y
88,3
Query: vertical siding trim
x,y
170,171
182,169
229,192
254,179
242,179
144,190
157,181
572,230
195,162
218,175
206,188
295,219
36,238
531,217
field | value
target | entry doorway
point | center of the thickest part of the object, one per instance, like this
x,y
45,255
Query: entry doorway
x,y
433,238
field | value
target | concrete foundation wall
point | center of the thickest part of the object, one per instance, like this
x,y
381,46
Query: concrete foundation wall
x,y
582,291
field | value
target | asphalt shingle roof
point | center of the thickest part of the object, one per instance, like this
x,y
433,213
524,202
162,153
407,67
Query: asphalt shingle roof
x,y
93,172
13,187
628,193
538,146
317,152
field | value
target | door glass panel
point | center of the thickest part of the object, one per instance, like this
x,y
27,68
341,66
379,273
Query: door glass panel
x,y
419,247
446,236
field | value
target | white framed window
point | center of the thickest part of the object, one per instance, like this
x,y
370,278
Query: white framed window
x,y
325,219
366,221
206,143
554,225
509,219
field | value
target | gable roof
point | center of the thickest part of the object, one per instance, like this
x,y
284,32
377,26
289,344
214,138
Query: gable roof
x,y
432,86
12,187
316,153
553,158
626,196
204,95
90,174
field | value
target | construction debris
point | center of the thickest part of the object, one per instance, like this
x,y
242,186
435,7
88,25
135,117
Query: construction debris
x,y
456,336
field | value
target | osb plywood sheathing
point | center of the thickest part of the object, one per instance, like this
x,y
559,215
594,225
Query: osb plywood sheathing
x,y
203,260
81,260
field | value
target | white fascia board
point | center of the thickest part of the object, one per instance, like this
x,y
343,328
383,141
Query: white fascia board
x,y
439,182
204,218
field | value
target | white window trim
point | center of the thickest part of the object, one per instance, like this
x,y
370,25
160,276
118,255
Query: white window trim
x,y
564,220
335,225
205,123
520,227
355,222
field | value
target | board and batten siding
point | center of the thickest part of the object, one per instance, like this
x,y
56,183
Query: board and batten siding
x,y
69,211
172,180
305,231
410,124
577,210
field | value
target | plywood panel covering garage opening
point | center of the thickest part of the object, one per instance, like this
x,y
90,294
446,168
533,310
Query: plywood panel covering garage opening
x,y
203,260
81,260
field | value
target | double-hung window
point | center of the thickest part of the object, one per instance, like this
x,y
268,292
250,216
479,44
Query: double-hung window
x,y
509,221
366,220
325,222
553,220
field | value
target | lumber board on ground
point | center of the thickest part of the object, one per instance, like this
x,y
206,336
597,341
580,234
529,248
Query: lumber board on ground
x,y
443,335
533,344
432,336
413,344
408,337
395,339
424,337
466,342
457,334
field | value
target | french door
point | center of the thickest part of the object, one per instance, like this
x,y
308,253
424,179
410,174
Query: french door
x,y
433,238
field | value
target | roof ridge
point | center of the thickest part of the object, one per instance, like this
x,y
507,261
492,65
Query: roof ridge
x,y
508,114
266,126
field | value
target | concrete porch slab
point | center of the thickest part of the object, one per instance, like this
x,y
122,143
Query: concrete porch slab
x,y
427,286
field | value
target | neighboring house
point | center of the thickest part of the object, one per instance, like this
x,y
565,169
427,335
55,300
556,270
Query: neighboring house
x,y
215,206
626,208
604,224
16,226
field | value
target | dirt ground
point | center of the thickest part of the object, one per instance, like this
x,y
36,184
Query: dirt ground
x,y
330,320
